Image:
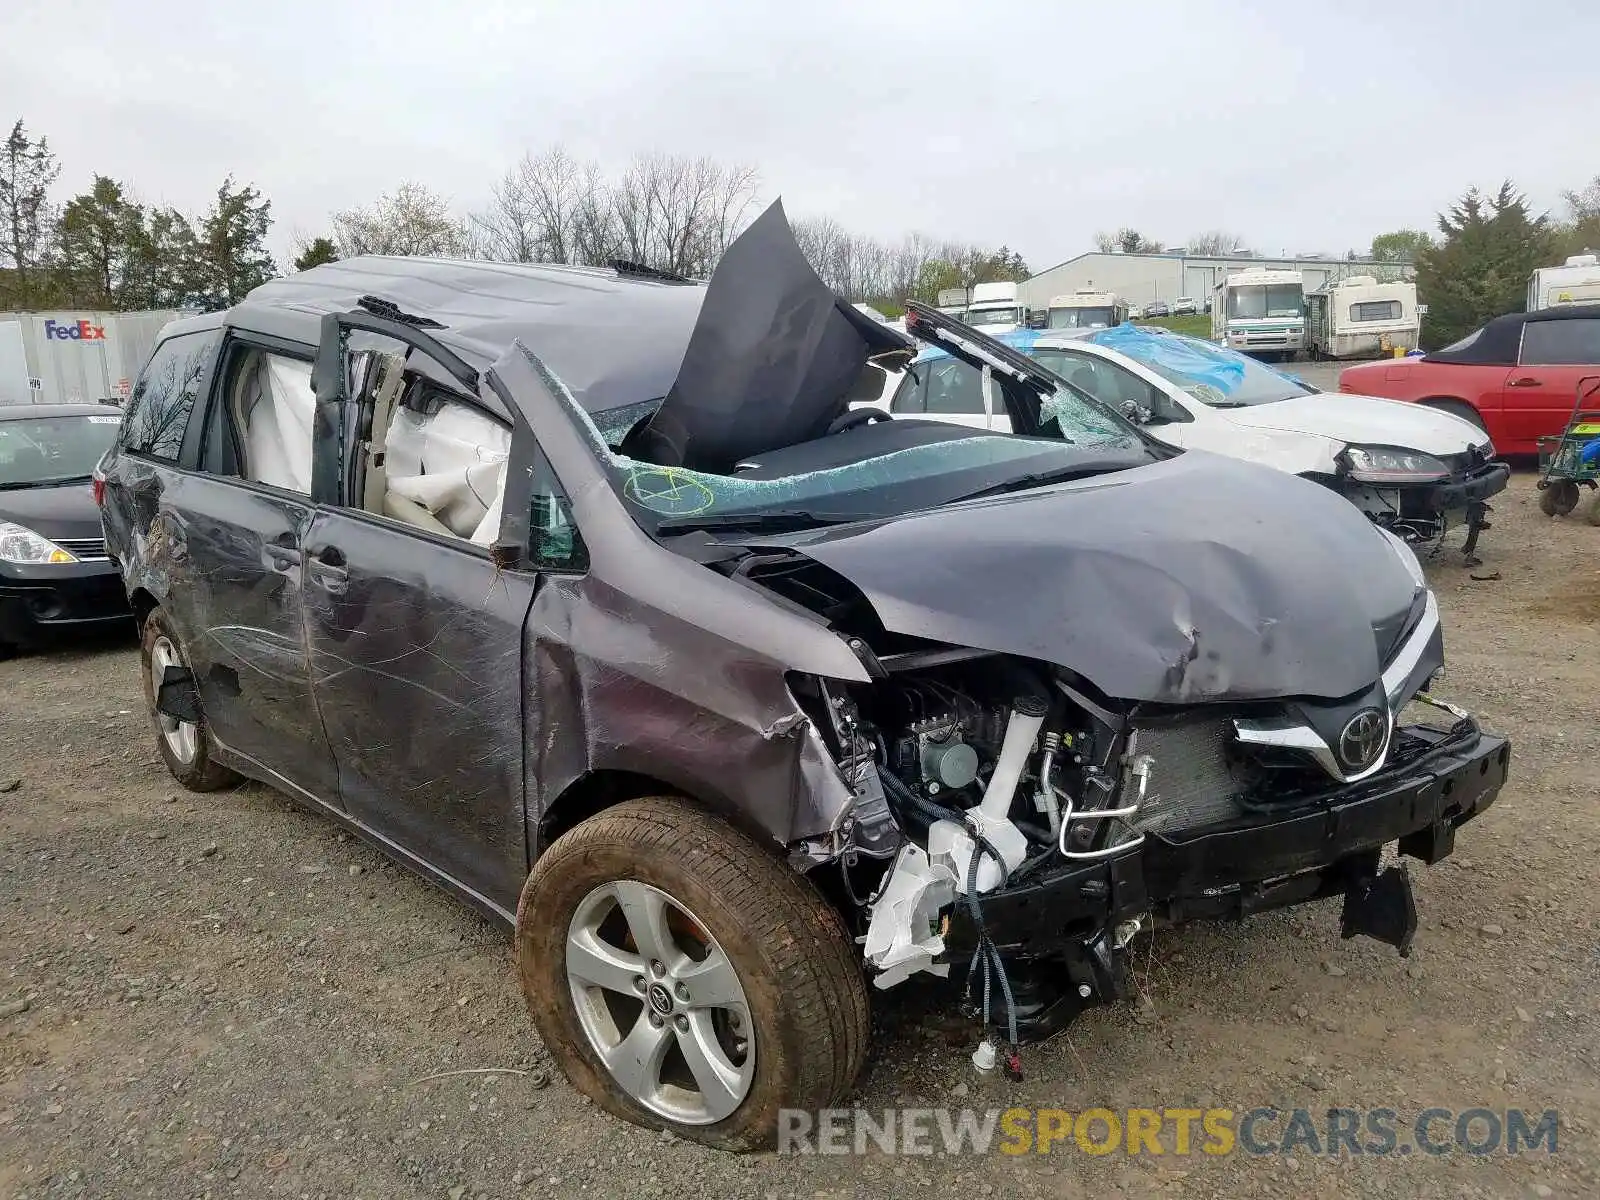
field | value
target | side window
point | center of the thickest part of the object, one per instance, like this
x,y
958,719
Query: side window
x,y
428,457
908,397
259,427
556,543
1375,310
1112,384
1574,342
953,387
163,401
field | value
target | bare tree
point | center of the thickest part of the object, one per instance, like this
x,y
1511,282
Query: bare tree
x,y
678,214
28,169
410,220
536,209
1214,242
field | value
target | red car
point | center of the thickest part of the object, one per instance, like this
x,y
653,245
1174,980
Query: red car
x,y
1516,377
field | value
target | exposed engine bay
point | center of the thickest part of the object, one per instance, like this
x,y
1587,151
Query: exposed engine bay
x,y
987,781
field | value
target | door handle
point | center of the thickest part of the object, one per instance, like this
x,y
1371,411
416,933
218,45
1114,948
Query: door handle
x,y
328,569
283,558
1525,381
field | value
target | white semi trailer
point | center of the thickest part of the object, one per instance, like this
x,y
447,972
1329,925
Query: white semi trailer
x,y
75,357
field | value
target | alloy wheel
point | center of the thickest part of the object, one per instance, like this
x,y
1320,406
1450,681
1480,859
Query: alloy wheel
x,y
660,1003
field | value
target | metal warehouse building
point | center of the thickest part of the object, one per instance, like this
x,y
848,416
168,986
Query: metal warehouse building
x,y
1141,278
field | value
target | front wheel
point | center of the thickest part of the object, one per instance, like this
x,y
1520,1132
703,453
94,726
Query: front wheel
x,y
1459,408
684,979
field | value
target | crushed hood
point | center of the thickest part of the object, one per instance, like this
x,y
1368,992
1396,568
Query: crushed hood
x,y
1196,579
774,357
1364,421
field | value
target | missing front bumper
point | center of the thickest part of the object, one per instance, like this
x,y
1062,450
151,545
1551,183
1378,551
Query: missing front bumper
x,y
1250,865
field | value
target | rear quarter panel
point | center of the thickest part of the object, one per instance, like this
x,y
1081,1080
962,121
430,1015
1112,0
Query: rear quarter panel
x,y
1417,381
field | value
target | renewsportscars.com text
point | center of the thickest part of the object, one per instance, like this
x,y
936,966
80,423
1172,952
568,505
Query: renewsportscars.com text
x,y
1179,1132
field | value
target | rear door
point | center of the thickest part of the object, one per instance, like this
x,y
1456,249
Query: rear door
x,y
414,629
219,549
242,518
1542,390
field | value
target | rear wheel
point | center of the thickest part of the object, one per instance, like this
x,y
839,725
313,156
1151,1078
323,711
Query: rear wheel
x,y
185,746
1593,515
686,980
1558,498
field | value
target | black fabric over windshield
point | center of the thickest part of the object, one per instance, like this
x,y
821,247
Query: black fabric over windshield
x,y
772,360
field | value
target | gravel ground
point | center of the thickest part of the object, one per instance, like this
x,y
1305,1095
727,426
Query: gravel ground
x,y
226,997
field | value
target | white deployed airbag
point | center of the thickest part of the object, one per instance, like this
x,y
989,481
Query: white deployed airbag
x,y
275,405
453,463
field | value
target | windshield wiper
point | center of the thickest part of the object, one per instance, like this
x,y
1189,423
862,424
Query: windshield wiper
x,y
38,483
772,520
1035,479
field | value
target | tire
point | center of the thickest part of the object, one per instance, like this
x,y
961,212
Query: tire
x,y
1593,514
1559,498
795,968
194,768
1458,408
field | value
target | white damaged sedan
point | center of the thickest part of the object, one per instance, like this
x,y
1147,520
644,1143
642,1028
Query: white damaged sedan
x,y
1416,471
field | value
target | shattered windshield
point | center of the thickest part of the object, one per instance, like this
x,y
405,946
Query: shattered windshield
x,y
1082,318
899,481
1213,375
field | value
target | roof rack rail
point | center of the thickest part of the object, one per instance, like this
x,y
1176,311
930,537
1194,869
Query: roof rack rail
x,y
623,266
379,307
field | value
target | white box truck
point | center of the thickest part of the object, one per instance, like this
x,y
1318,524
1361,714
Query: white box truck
x,y
75,357
995,307
1359,317
953,301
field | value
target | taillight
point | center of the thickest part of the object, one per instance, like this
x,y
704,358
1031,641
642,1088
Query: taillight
x,y
99,486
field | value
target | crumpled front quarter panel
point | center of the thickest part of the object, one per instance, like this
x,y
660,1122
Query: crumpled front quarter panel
x,y
615,687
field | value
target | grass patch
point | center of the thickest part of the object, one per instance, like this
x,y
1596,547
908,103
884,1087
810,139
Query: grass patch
x,y
1196,325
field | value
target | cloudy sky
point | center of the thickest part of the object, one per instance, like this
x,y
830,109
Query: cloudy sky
x,y
1032,124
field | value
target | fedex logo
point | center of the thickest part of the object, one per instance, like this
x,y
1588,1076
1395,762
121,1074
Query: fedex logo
x,y
76,331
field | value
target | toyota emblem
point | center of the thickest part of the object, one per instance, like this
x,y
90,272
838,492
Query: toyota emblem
x,y
1362,739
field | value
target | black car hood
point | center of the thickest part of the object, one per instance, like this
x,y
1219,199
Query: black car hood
x,y
1196,579
64,510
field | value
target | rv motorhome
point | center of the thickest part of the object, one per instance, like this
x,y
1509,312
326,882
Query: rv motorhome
x,y
1086,309
1359,317
1577,281
1260,311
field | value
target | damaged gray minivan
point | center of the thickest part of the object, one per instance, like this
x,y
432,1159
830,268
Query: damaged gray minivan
x,y
584,593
